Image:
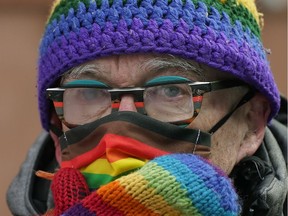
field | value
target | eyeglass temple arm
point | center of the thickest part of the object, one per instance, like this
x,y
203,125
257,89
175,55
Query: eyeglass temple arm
x,y
250,94
201,88
223,84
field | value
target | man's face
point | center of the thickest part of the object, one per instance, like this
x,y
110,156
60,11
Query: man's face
x,y
135,70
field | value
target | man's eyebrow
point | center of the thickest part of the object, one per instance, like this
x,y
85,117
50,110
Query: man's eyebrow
x,y
87,70
162,64
155,65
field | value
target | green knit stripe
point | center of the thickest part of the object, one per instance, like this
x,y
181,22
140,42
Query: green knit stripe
x,y
165,184
64,6
235,10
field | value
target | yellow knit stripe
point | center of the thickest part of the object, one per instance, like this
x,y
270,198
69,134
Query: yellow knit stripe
x,y
103,166
146,195
54,5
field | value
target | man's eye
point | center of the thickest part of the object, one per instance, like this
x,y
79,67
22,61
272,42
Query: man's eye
x,y
168,93
171,91
90,94
87,96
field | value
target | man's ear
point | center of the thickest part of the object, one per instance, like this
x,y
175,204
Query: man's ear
x,y
56,128
256,117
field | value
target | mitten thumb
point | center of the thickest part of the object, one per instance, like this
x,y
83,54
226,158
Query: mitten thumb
x,y
68,188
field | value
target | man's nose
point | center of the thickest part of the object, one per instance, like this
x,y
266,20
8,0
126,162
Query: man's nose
x,y
127,103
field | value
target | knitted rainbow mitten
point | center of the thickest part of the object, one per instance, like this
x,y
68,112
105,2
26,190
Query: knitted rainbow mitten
x,y
176,184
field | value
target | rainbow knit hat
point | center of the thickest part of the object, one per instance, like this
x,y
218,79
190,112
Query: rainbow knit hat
x,y
223,34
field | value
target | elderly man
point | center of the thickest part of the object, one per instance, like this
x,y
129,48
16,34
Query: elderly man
x,y
150,106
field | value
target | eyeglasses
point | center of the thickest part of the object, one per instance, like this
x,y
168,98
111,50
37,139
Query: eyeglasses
x,y
170,99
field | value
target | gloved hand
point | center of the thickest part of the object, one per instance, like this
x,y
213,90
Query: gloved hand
x,y
175,184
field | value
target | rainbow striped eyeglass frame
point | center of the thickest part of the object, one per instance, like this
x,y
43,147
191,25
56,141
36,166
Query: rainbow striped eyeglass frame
x,y
198,89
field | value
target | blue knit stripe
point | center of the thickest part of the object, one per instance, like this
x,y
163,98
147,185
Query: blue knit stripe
x,y
176,12
196,187
211,176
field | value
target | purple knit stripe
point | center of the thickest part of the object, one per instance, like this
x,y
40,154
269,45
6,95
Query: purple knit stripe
x,y
176,13
212,174
238,59
78,209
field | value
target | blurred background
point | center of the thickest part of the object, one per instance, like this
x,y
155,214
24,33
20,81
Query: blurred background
x,y
21,26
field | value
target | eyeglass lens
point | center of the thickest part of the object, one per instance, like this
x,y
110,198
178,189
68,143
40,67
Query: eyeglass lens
x,y
167,103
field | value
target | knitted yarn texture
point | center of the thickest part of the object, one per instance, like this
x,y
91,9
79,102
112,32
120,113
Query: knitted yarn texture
x,y
177,184
223,34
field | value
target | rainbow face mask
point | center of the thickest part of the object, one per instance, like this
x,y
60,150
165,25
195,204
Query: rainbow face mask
x,y
123,142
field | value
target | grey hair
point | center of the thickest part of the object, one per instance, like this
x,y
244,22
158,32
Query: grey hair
x,y
75,72
162,63
152,64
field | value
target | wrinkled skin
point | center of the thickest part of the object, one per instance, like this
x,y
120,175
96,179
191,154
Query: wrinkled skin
x,y
240,136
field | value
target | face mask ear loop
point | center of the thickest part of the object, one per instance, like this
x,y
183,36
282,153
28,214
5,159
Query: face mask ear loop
x,y
250,94
196,142
56,130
